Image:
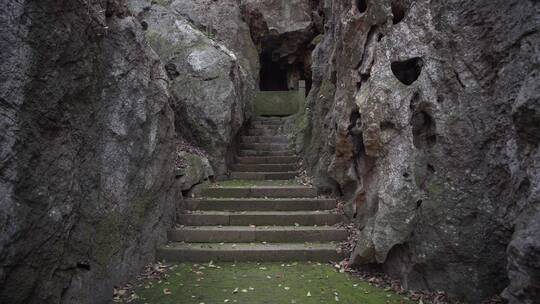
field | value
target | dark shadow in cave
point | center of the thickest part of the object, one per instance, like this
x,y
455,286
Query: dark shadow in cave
x,y
273,77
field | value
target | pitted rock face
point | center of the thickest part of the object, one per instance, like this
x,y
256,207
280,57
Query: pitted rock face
x,y
446,118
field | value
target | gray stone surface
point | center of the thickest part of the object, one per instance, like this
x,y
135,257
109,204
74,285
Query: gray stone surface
x,y
524,260
428,125
195,170
210,71
86,181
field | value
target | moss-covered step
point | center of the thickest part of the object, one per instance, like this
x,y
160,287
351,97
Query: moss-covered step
x,y
264,139
257,204
247,234
267,160
260,191
241,252
260,283
264,167
249,152
260,218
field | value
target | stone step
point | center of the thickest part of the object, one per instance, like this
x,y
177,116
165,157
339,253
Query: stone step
x,y
258,204
264,167
267,122
265,132
259,218
265,146
260,191
271,252
265,139
264,118
267,159
263,175
246,152
265,126
247,234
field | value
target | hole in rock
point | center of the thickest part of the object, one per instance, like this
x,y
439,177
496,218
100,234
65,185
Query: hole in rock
x,y
406,175
398,11
387,125
407,71
144,25
418,204
171,70
424,131
361,5
82,265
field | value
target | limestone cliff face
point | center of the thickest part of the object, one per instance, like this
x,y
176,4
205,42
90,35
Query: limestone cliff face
x,y
425,116
86,182
212,68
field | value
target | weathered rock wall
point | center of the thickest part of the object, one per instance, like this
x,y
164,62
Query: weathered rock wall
x,y
86,149
425,115
212,67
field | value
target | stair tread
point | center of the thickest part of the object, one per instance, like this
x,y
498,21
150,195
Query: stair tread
x,y
251,246
282,199
262,228
262,187
277,213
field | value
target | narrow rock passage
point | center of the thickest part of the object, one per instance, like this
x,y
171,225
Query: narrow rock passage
x,y
261,214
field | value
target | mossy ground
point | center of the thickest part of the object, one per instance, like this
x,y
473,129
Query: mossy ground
x,y
260,283
253,183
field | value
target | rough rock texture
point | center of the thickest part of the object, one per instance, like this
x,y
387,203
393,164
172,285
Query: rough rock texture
x,y
283,31
425,116
211,72
194,170
524,260
86,174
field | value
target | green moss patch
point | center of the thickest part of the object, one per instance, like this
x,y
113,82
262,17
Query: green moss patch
x,y
258,283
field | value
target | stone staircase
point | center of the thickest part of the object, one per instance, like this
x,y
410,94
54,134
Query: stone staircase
x,y
261,214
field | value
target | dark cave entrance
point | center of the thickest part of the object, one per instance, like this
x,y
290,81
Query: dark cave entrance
x,y
277,74
273,77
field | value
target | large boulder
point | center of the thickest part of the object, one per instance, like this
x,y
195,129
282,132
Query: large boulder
x,y
212,89
86,185
424,115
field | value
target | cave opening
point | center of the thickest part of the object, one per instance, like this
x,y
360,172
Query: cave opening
x,y
278,74
273,76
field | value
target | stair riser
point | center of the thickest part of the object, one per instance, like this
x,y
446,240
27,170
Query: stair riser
x,y
264,168
289,205
207,236
262,176
265,139
258,219
265,132
176,255
267,160
266,126
259,192
263,123
265,147
265,153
